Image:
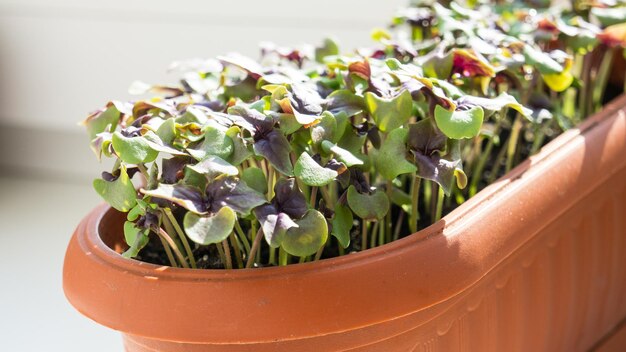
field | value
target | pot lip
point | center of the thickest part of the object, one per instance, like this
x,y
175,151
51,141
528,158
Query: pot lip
x,y
450,222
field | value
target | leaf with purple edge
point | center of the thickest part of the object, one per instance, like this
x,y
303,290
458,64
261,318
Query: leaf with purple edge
x,y
368,206
274,224
389,113
342,224
346,101
118,193
234,193
461,123
190,198
308,237
211,228
133,150
311,173
390,160
275,147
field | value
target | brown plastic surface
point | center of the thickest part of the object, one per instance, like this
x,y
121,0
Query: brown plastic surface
x,y
535,262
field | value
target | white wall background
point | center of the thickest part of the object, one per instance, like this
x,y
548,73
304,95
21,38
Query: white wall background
x,y
60,59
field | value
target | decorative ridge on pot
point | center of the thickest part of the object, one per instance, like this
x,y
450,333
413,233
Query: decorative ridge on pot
x,y
425,284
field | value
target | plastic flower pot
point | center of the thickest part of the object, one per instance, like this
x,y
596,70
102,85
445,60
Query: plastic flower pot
x,y
534,262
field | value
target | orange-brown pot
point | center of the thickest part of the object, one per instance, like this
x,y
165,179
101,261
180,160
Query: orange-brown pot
x,y
535,262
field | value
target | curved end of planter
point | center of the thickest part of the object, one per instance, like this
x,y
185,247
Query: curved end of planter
x,y
394,288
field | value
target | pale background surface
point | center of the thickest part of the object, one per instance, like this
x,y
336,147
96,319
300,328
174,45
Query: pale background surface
x,y
61,59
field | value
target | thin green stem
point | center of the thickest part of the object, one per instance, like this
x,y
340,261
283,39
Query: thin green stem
x,y
540,136
440,199
169,229
374,233
398,227
434,201
242,237
415,193
229,260
482,161
172,220
170,242
270,182
389,224
220,250
364,235
319,253
602,78
382,231
313,197
234,242
326,196
283,257
498,163
272,257
255,247
513,142
144,171
168,252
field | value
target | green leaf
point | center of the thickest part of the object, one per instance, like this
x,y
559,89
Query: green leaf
x,y
255,178
392,113
311,173
213,166
103,121
460,123
325,129
135,212
193,178
328,48
496,104
157,144
167,131
390,159
344,100
135,238
341,154
120,193
438,64
217,143
541,60
610,15
208,229
342,224
368,206
401,199
240,149
310,235
133,150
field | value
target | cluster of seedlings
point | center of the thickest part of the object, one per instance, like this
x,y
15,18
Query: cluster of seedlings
x,y
310,153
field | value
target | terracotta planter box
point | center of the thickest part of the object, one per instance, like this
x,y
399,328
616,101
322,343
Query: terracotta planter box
x,y
535,262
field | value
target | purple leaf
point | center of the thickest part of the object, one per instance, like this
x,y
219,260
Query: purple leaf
x,y
233,193
187,197
289,199
275,147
